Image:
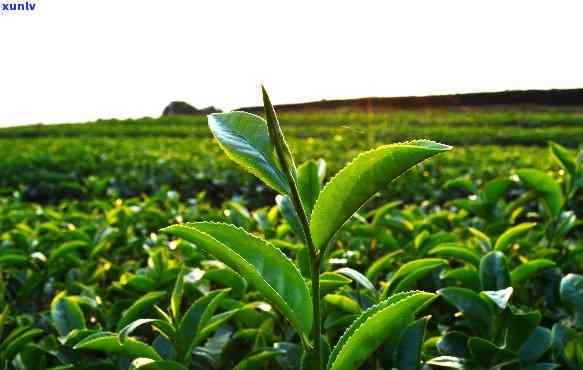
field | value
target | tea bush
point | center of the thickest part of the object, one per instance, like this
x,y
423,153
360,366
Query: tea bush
x,y
471,260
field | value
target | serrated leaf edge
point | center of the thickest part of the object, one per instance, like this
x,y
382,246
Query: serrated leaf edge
x,y
409,143
364,317
188,224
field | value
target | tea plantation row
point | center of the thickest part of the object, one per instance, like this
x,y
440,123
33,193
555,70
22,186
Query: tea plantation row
x,y
492,234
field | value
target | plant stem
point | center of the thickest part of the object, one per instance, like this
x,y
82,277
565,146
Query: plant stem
x,y
315,272
273,127
316,359
314,261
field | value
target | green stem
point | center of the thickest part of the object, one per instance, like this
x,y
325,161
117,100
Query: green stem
x,y
315,273
316,359
314,259
273,125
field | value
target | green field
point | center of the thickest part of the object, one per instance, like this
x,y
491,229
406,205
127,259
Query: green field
x,y
137,156
82,255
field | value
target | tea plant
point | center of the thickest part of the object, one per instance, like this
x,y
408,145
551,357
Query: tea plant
x,y
260,147
472,260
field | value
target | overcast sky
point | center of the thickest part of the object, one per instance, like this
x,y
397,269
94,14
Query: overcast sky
x,y
79,60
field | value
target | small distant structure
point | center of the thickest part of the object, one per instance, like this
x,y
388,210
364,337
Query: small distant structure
x,y
180,108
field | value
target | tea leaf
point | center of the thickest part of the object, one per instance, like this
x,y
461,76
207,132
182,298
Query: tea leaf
x,y
525,271
309,185
245,139
571,290
263,265
176,298
408,352
457,251
284,155
346,192
139,307
545,186
494,274
567,160
513,234
108,342
158,365
195,318
471,305
66,315
384,320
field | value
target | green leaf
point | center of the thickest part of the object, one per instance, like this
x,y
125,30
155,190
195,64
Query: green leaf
x,y
14,260
408,352
357,277
495,189
346,192
460,183
176,298
486,352
383,263
409,268
3,317
536,346
567,345
519,327
15,333
494,274
452,362
245,139
139,307
66,248
469,303
284,155
309,185
31,357
567,160
457,251
542,366
214,323
513,234
14,344
483,238
164,326
66,315
454,343
374,326
108,342
343,303
566,222
330,281
545,186
410,281
228,278
238,215
379,214
571,290
256,360
525,271
264,266
287,210
467,276
195,318
148,364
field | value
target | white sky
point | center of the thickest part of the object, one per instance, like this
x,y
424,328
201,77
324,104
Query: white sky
x,y
79,60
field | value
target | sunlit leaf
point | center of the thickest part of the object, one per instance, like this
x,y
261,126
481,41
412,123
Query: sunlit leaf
x,y
367,174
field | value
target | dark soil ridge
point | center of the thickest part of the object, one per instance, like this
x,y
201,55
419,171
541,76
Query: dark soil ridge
x,y
554,97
